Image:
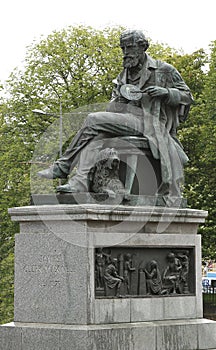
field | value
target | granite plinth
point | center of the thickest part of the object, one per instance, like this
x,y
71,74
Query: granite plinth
x,y
54,282
55,302
54,261
196,334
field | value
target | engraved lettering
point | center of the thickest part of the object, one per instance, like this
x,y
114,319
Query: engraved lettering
x,y
46,269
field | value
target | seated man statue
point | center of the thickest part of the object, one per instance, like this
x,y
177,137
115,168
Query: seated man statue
x,y
161,100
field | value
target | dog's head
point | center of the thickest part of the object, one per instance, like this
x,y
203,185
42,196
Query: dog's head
x,y
108,157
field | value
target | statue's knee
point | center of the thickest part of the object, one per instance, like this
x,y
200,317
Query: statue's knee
x,y
91,119
98,117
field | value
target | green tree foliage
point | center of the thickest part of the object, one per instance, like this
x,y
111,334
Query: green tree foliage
x,y
14,190
7,286
76,66
199,137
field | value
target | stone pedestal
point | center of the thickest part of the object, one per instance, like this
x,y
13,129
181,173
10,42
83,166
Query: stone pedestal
x,y
57,304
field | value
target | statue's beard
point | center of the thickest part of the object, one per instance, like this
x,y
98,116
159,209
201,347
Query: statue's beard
x,y
130,61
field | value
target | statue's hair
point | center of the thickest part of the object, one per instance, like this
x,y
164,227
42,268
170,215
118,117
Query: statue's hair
x,y
137,36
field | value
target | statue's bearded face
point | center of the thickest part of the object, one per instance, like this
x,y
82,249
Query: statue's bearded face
x,y
133,53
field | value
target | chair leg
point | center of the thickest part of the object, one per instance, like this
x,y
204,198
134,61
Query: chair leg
x,y
130,172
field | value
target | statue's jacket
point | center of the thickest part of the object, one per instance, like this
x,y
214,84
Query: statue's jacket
x,y
161,116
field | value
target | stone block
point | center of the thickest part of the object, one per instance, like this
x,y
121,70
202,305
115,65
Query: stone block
x,y
110,338
177,336
146,309
73,339
188,334
40,338
179,308
207,335
51,280
143,338
112,311
109,218
10,337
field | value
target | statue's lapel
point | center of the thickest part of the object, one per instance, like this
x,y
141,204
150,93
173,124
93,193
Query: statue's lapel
x,y
149,66
145,75
123,77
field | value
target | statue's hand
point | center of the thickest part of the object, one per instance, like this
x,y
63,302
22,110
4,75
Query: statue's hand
x,y
156,91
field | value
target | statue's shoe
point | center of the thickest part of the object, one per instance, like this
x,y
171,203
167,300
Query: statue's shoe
x,y
53,172
67,188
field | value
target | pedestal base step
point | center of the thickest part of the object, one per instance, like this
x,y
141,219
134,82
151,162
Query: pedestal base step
x,y
187,334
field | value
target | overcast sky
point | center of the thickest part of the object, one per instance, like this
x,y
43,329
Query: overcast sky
x,y
186,24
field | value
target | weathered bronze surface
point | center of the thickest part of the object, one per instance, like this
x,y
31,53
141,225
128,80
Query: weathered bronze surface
x,y
149,100
144,272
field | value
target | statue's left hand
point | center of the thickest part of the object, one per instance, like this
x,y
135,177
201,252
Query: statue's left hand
x,y
156,91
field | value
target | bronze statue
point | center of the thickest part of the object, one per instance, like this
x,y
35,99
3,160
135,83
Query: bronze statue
x,y
149,99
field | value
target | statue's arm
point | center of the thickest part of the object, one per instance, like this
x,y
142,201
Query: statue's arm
x,y
178,92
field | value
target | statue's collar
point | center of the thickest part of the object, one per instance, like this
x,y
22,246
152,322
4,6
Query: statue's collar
x,y
150,62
